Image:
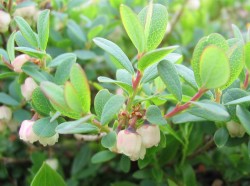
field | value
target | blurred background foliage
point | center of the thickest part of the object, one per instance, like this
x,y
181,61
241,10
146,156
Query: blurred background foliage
x,y
73,25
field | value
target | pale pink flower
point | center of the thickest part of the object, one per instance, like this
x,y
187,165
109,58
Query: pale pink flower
x,y
26,132
28,87
19,61
235,129
4,21
5,113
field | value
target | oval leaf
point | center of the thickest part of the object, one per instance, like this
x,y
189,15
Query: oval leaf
x,y
109,140
102,157
244,116
221,137
101,99
43,28
154,115
44,128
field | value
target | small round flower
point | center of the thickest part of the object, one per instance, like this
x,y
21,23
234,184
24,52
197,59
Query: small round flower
x,y
49,140
4,21
19,61
5,113
150,135
140,155
235,129
53,163
130,144
26,132
28,87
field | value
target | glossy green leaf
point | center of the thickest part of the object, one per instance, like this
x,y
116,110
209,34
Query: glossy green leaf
x,y
71,97
11,46
109,140
213,39
154,56
46,176
247,55
154,116
66,57
244,116
40,103
8,100
170,77
31,52
100,100
111,108
102,157
43,28
116,52
44,128
214,68
221,137
81,85
26,31
133,28
154,19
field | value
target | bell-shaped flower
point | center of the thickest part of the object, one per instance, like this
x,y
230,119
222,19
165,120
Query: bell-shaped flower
x,y
19,61
130,144
150,135
4,21
235,129
5,113
26,132
28,87
49,140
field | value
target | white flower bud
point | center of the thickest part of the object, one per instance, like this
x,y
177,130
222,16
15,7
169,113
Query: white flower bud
x,y
130,144
49,140
4,21
53,163
28,87
235,129
193,4
26,132
28,12
150,135
5,113
19,61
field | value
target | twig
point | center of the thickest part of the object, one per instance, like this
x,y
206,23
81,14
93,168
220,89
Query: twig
x,y
7,160
209,145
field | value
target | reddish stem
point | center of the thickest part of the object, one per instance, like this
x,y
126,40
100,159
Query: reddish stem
x,y
246,80
137,80
180,108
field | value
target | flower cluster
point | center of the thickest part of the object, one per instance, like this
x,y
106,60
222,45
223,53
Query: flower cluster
x,y
134,143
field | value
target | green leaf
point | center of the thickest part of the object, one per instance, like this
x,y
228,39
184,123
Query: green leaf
x,y
48,177
123,85
150,73
213,39
8,75
166,129
8,100
186,117
188,175
237,33
76,31
221,137
11,46
210,111
244,116
81,85
31,52
239,101
43,28
214,68
66,57
170,77
125,164
154,56
44,128
247,55
95,31
174,58
101,99
71,97
26,31
111,108
102,157
115,51
154,115
32,70
109,140
84,54
40,103
21,41
154,18
133,28
63,72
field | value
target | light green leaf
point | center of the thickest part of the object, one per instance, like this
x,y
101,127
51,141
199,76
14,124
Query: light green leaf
x,y
174,58
102,157
111,108
237,33
8,75
170,77
31,52
66,57
63,72
8,100
124,76
76,31
154,56
247,55
46,176
115,51
244,116
81,85
154,18
11,46
33,71
239,101
43,28
109,140
221,137
26,31
44,128
150,73
94,32
186,117
188,175
214,68
100,100
154,115
133,28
